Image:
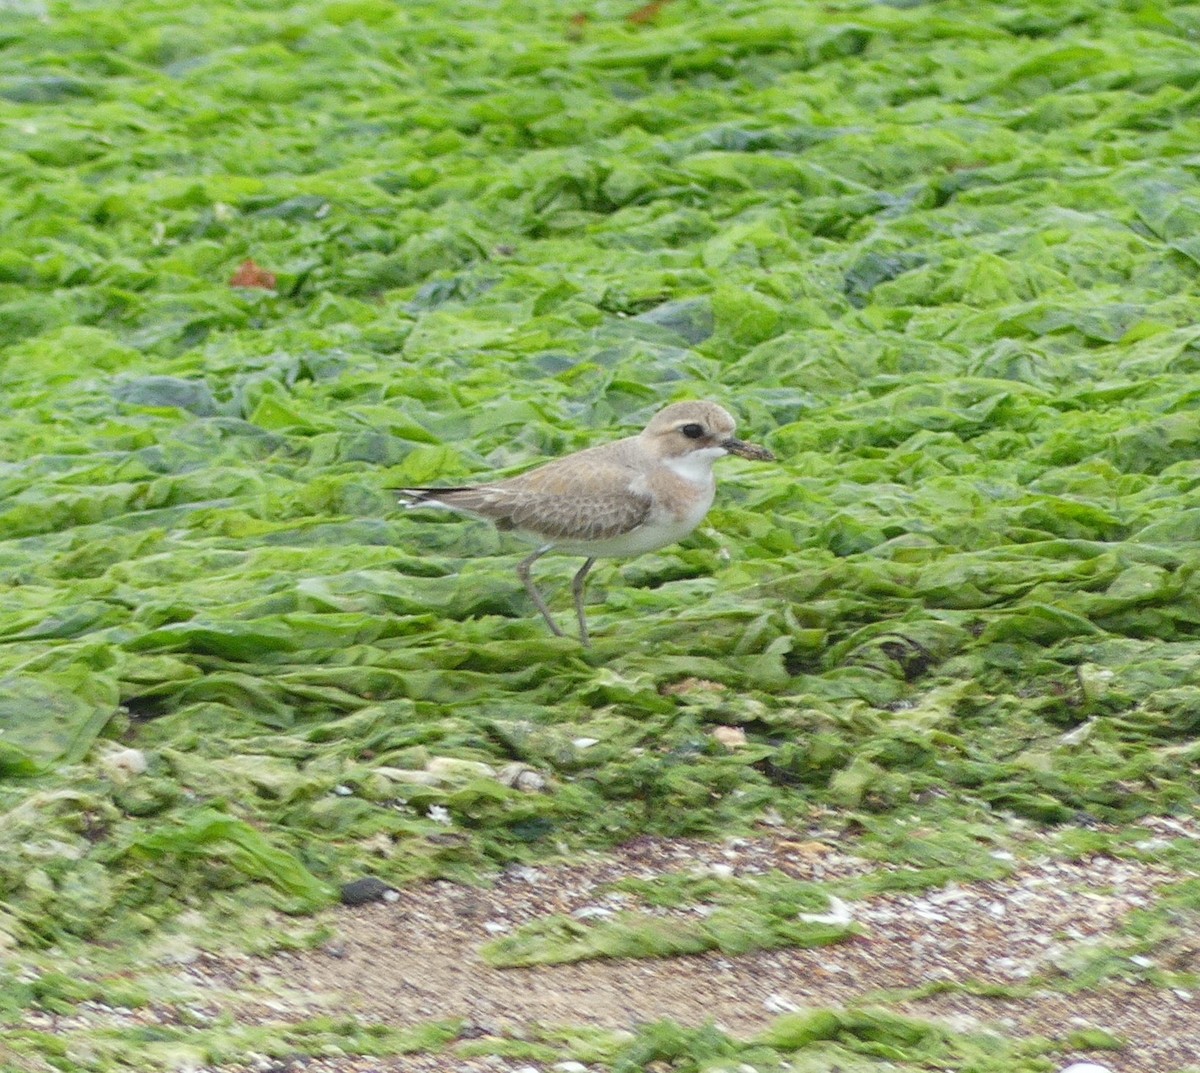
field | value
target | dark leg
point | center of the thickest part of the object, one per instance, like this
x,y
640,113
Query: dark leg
x,y
531,588
577,589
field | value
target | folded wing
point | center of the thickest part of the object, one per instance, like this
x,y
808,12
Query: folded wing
x,y
557,502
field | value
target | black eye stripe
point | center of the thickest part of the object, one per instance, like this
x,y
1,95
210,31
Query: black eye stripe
x,y
692,431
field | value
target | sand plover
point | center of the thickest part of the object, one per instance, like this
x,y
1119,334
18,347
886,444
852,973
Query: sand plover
x,y
615,500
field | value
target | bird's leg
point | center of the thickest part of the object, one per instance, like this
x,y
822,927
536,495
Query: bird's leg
x,y
577,589
531,588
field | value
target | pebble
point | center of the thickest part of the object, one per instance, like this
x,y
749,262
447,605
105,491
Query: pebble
x,y
779,1004
717,871
365,890
1085,1067
125,762
531,782
588,912
521,777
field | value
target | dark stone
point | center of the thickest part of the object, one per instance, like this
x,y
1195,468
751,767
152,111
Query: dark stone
x,y
364,891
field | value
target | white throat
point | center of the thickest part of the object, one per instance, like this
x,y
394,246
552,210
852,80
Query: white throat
x,y
695,467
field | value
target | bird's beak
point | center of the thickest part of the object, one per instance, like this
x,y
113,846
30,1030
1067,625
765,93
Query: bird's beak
x,y
747,450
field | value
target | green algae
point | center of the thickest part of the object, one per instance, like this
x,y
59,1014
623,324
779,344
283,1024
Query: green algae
x,y
556,940
940,258
825,1040
761,912
166,1047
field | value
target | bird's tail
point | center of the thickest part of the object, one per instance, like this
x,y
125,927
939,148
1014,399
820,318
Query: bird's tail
x,y
412,496
468,497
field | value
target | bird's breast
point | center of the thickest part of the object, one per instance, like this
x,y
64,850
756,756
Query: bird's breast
x,y
680,499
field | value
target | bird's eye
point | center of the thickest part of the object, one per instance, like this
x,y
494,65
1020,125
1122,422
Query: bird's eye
x,y
692,432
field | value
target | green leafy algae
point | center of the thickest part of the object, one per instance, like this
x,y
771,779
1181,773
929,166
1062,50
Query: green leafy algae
x,y
941,258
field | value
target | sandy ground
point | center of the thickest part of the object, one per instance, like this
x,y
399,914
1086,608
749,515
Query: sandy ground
x,y
417,958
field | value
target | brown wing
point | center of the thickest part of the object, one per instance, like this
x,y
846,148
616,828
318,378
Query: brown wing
x,y
569,498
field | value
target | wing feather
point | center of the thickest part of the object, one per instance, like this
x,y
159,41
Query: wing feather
x,y
572,498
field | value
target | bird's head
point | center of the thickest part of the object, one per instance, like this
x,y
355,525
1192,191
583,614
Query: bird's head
x,y
701,429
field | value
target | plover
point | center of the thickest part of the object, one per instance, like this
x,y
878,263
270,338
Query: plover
x,y
612,501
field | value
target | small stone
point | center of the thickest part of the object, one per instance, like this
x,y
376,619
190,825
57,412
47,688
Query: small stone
x,y
122,763
531,782
717,871
365,890
132,760
590,912
731,737
453,768
1085,1067
522,777
570,1067
524,873
779,1004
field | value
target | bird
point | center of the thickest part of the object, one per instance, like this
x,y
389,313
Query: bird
x,y
614,500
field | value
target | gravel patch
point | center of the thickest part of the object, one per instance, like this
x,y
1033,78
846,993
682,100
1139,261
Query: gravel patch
x,y
416,958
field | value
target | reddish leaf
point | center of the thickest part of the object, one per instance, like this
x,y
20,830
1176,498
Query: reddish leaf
x,y
646,13
575,26
250,275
